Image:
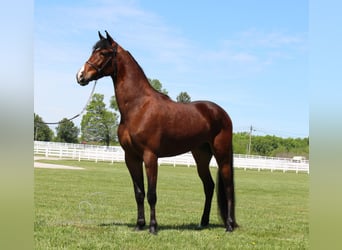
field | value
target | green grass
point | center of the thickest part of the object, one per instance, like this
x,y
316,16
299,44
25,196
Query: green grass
x,y
95,209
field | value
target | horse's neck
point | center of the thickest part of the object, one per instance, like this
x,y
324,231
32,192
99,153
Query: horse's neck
x,y
131,86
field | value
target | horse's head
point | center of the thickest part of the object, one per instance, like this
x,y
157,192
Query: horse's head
x,y
101,61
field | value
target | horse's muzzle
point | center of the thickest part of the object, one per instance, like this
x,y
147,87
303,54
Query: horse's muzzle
x,y
81,79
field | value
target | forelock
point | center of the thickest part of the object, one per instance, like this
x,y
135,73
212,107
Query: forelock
x,y
102,44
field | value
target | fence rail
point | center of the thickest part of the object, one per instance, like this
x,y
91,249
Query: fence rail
x,y
116,154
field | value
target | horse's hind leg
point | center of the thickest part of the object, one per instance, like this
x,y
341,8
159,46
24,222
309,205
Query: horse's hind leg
x,y
134,166
202,157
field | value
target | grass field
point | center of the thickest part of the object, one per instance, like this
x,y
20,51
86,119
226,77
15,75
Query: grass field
x,y
95,209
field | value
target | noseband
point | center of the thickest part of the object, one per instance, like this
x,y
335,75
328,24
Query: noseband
x,y
112,56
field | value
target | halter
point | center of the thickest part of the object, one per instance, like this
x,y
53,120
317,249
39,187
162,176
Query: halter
x,y
112,56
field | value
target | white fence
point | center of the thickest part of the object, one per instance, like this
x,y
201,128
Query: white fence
x,y
116,154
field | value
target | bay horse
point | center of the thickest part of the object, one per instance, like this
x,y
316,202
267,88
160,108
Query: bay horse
x,y
153,126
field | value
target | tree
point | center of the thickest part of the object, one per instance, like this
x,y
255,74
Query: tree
x,y
271,145
41,131
157,85
99,124
265,145
240,142
67,131
183,97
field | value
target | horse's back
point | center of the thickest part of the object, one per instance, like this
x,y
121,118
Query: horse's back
x,y
197,113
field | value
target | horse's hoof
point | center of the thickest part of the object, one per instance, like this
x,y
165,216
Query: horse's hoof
x,y
229,229
204,223
140,225
153,231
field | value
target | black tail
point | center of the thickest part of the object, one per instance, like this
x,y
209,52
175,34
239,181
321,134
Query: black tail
x,y
221,198
222,202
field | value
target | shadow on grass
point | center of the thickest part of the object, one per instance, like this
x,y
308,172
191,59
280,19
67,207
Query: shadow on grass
x,y
191,226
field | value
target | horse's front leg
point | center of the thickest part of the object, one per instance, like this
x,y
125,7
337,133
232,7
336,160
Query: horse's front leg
x,y
134,165
151,166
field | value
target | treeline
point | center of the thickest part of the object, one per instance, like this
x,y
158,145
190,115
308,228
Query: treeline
x,y
270,145
267,145
104,133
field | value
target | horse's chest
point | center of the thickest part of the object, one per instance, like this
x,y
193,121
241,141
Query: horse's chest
x,y
129,137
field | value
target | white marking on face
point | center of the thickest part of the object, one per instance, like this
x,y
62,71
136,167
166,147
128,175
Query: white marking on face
x,y
80,73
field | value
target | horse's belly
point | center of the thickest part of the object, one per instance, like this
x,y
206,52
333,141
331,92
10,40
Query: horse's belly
x,y
175,146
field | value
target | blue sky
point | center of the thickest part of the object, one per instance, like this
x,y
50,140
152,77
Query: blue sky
x,y
250,57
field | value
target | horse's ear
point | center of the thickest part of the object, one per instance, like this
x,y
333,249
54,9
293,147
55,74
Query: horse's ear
x,y
101,37
109,38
